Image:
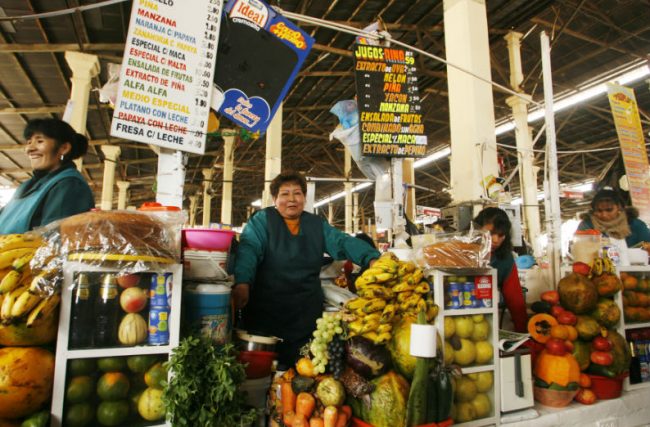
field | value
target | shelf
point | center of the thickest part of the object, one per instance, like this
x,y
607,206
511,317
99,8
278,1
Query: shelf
x,y
636,325
464,271
480,422
474,369
468,311
633,268
118,351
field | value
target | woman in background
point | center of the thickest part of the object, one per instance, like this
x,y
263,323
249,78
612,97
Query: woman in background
x,y
56,190
496,221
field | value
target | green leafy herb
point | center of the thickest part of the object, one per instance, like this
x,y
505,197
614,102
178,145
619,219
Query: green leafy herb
x,y
203,390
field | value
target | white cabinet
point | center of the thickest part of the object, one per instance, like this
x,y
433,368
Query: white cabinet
x,y
64,354
475,330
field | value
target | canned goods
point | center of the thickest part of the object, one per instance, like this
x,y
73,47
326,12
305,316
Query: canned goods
x,y
483,291
159,325
160,285
469,299
456,295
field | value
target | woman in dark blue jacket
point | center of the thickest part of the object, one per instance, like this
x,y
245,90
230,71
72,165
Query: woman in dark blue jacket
x,y
56,190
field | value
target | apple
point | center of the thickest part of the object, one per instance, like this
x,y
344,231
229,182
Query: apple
x,y
128,280
133,300
551,297
557,310
601,344
567,318
581,268
556,347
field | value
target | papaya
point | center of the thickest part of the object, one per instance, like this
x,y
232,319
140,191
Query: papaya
x,y
607,284
578,294
387,406
606,313
42,332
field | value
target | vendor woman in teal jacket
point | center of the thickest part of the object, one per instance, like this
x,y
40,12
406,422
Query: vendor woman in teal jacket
x,y
278,264
56,190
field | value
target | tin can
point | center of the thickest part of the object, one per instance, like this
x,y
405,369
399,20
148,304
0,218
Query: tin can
x,y
159,325
456,295
483,291
469,299
160,286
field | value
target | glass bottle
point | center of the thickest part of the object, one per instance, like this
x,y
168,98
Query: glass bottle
x,y
81,314
107,310
635,364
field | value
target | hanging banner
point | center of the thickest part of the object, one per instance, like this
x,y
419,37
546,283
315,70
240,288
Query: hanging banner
x,y
630,135
260,53
388,99
166,76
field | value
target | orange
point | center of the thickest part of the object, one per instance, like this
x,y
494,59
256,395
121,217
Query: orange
x,y
585,381
559,331
630,282
113,386
572,332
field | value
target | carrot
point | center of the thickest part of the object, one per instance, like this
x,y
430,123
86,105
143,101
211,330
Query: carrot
x,y
316,422
300,421
342,419
288,397
348,411
330,416
305,404
288,418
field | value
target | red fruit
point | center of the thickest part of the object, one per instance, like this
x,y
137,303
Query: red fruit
x,y
581,268
601,344
128,280
133,300
567,318
568,344
601,358
557,310
551,297
556,347
585,396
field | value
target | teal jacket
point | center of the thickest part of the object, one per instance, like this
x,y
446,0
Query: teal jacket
x,y
45,198
640,232
254,241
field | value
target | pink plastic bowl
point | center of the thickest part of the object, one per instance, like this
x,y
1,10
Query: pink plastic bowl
x,y
207,239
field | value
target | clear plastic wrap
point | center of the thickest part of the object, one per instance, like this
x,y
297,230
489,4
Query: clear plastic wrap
x,y
456,250
127,241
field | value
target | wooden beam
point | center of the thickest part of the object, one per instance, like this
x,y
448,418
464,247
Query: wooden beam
x,y
44,110
59,47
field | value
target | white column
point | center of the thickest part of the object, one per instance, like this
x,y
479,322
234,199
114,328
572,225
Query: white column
x,y
228,159
347,169
194,204
170,177
84,67
273,165
311,197
111,153
330,212
355,212
471,107
207,198
123,187
408,174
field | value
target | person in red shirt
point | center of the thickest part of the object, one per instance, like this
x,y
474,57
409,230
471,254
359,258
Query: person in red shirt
x,y
496,221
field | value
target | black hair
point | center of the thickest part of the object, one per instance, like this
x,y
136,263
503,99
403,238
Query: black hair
x,y
500,224
285,178
607,194
61,132
366,238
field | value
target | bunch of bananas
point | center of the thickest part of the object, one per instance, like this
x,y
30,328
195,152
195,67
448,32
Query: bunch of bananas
x,y
602,265
20,299
387,290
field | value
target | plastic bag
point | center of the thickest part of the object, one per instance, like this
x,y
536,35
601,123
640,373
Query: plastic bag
x,y
371,167
108,92
456,250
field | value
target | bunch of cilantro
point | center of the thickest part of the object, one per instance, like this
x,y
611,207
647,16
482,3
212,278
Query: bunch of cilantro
x,y
203,390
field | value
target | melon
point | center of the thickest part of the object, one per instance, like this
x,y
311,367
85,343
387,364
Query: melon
x,y
133,330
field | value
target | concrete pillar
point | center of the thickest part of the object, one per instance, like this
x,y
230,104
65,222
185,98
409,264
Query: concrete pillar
x,y
330,212
355,213
194,204
347,169
84,67
111,153
228,159
273,164
207,198
123,187
170,177
471,107
408,175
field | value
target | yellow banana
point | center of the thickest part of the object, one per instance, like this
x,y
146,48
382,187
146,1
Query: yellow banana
x,y
43,309
372,272
421,306
384,327
406,267
403,287
364,281
372,336
24,304
388,313
371,317
415,278
20,263
356,326
384,277
356,304
41,280
8,257
19,241
380,338
403,296
370,326
4,272
422,288
410,302
8,303
432,312
375,304
10,281
375,291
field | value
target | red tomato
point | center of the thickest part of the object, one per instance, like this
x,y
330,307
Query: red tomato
x,y
567,318
556,347
581,268
601,344
585,396
568,344
552,297
602,358
556,310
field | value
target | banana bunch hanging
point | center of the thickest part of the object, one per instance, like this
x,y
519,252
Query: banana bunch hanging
x,y
602,265
20,299
387,290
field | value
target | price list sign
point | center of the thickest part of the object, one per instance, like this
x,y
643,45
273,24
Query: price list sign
x,y
388,99
167,71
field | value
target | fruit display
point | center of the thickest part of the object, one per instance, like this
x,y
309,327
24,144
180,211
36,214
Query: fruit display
x,y
576,324
27,316
389,288
468,340
472,397
636,297
115,391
